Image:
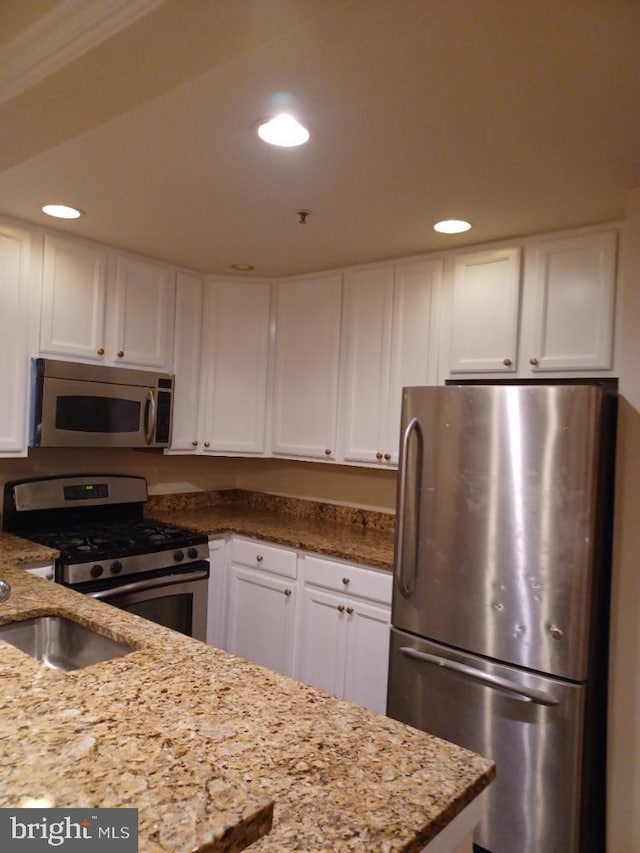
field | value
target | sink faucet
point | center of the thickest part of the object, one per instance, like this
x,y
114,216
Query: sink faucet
x,y
5,591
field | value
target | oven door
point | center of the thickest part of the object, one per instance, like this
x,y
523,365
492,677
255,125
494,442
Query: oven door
x,y
175,600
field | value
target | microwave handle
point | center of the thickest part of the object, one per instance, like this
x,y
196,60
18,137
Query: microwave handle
x,y
150,416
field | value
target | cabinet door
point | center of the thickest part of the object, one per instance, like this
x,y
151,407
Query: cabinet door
x,y
484,312
414,341
261,618
320,660
15,246
186,362
366,337
143,313
367,658
235,356
575,295
73,300
307,315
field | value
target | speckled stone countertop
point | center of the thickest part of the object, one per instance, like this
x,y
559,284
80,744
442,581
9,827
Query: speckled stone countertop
x,y
205,744
356,535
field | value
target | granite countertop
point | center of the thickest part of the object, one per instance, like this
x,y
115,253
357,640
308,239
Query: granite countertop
x,y
355,535
210,748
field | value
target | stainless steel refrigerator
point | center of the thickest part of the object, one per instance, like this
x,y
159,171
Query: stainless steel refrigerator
x,y
500,599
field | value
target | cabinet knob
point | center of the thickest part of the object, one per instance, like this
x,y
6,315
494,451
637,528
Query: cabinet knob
x,y
287,592
533,362
507,362
345,581
259,558
327,451
387,456
206,444
349,610
378,455
194,443
120,353
341,608
100,351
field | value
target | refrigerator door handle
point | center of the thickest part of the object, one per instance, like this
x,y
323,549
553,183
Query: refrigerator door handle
x,y
524,694
405,589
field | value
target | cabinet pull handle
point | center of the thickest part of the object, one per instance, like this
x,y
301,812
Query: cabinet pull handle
x,y
341,608
287,592
346,581
507,362
327,451
259,558
206,444
349,610
533,362
387,456
100,351
378,455
120,353
195,443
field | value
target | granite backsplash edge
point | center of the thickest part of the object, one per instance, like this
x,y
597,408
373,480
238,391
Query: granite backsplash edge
x,y
278,504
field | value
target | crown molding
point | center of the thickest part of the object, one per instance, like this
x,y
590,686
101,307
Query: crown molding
x,y
71,29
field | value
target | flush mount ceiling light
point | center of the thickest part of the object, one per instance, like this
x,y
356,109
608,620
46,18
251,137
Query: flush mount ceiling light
x,y
61,211
283,130
242,267
452,226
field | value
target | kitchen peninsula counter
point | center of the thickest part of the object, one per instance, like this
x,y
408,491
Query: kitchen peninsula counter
x,y
210,747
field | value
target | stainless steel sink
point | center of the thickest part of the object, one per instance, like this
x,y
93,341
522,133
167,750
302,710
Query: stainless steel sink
x,y
61,643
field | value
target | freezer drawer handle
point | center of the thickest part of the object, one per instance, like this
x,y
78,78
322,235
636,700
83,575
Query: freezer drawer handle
x,y
525,694
405,588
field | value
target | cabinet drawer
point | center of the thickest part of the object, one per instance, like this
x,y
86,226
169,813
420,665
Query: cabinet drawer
x,y
258,555
349,580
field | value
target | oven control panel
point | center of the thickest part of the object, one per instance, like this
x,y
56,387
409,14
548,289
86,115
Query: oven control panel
x,y
86,491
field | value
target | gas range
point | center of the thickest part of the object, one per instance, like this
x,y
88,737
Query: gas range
x,y
96,522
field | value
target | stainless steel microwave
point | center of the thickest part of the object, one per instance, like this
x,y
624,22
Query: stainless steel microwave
x,y
90,405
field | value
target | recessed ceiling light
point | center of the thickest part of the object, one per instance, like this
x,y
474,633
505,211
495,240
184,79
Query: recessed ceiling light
x,y
61,211
283,130
452,226
242,267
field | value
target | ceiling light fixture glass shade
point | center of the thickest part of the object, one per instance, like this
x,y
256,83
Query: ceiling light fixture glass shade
x,y
283,130
61,211
452,226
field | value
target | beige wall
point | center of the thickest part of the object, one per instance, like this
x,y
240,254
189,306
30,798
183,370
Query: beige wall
x,y
331,483
624,692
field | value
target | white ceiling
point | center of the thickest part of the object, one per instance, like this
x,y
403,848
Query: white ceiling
x,y
519,115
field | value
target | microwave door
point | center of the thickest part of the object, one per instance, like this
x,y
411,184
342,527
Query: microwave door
x,y
95,414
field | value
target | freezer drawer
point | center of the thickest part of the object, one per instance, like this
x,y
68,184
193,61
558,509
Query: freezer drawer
x,y
531,726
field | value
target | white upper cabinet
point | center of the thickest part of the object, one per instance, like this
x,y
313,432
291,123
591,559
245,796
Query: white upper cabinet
x,y
144,304
15,308
235,358
573,284
74,292
112,310
388,342
485,302
305,389
186,362
560,321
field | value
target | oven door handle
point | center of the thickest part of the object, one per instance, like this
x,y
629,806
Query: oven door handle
x,y
149,583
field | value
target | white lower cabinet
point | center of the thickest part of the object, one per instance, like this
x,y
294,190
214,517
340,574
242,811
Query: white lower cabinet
x,y
262,604
217,594
343,631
